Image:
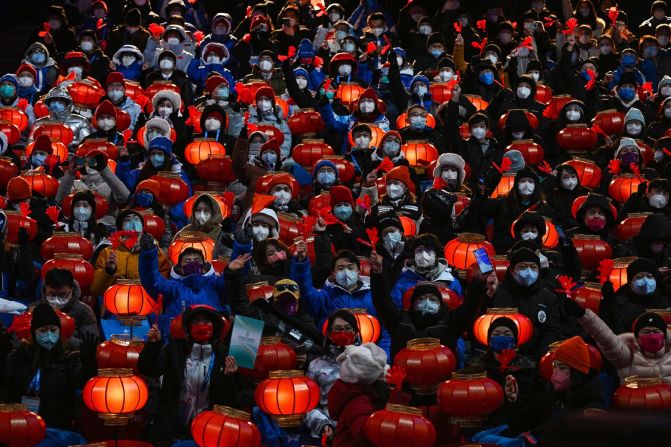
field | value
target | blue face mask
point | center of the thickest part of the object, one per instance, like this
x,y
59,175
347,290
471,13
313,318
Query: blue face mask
x,y
628,60
650,52
436,52
144,199
39,159
585,75
157,160
526,277
486,78
133,225
38,57
644,286
627,93
498,343
326,178
47,339
342,212
56,106
7,91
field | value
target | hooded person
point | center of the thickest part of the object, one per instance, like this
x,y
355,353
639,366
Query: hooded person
x,y
129,60
206,217
83,215
438,214
167,69
105,117
60,105
653,198
596,216
214,59
46,372
37,55
214,124
349,230
450,169
521,96
366,109
9,96
265,111
26,76
426,264
116,93
652,241
197,372
388,147
561,190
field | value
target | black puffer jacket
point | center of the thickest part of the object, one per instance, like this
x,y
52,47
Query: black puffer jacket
x,y
507,99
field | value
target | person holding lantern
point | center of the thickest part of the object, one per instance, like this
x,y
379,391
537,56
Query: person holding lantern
x,y
400,196
197,373
116,93
105,117
266,112
59,103
206,217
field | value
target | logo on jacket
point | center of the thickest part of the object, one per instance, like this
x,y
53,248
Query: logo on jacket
x,y
542,316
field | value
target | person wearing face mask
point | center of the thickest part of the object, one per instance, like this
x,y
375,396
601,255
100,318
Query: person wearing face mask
x,y
131,31
517,129
652,198
656,62
284,188
503,38
197,372
529,227
49,372
426,264
214,60
389,147
300,86
349,230
628,153
105,118
221,33
658,109
166,105
634,124
345,289
663,35
520,96
289,31
596,216
42,157
219,93
400,196
324,176
265,70
365,110
266,112
433,49
658,11
585,13
82,218
561,191
360,154
116,93
61,37
9,97
609,58
214,124
99,61
26,75
625,84
61,111
206,217
450,169
122,262
258,224
37,55
174,38
167,69
128,61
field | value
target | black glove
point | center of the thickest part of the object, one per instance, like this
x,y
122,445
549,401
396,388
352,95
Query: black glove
x,y
146,242
99,162
244,235
573,309
243,132
23,236
607,291
89,343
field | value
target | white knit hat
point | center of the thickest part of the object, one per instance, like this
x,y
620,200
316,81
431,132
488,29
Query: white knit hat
x,y
626,142
362,364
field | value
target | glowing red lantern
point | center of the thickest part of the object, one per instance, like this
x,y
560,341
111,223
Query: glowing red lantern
x,y
259,290
319,203
402,121
624,185
56,132
589,174
543,94
172,189
306,122
193,239
15,116
591,250
153,224
505,185
479,103
85,93
588,296
11,131
525,328
630,227
133,89
128,300
400,425
376,135
345,168
577,138
426,363
223,206
41,183
15,221
409,226
116,394
20,427
610,121
119,352
618,276
291,227
643,393
440,92
82,270
287,396
58,150
469,397
462,203
419,153
102,207
98,144
459,251
7,170
201,149
224,426
216,168
272,355
555,105
348,93
158,86
309,152
451,298
531,152
66,242
40,108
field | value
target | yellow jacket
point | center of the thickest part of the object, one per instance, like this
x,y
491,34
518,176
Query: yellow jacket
x,y
127,268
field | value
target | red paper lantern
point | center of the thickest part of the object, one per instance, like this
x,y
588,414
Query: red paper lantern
x,y
345,168
531,152
376,135
440,92
287,396
419,152
459,251
98,144
588,296
543,94
469,397
533,121
624,185
7,170
15,221
58,150
67,324
194,239
630,227
81,269
11,131
451,298
291,227
426,363
172,189
127,299
402,121
15,116
153,224
116,394
118,443
201,149
259,290
577,138
400,425
216,168
40,108
309,152
41,183
66,242
190,202
525,328
102,207
643,393
409,226
591,250
85,93
555,106
133,89
56,132
348,93
589,174
618,276
319,203
158,86
305,122
462,203
610,121
119,352
479,103
20,427
272,355
224,426
505,185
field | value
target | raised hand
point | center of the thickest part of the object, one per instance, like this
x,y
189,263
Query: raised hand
x,y
239,262
395,376
301,250
154,334
511,388
230,365
111,265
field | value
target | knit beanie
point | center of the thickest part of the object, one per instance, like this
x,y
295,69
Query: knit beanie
x,y
44,315
387,220
428,240
523,255
649,319
341,194
505,322
422,288
363,364
574,353
641,265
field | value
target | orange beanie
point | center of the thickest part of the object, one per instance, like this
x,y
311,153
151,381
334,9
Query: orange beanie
x,y
574,353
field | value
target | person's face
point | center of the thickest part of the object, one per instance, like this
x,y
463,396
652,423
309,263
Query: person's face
x,y
653,191
156,152
62,292
203,207
326,169
627,150
568,175
282,187
377,23
529,228
388,230
561,367
520,266
413,113
437,48
502,331
658,14
345,264
271,252
82,204
191,258
595,212
647,330
590,66
43,330
340,325
429,297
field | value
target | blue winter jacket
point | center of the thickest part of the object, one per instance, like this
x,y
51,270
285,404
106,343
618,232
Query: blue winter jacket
x,y
320,303
198,71
409,278
179,292
132,73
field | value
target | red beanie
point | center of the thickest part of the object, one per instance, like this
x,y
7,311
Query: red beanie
x,y
340,193
114,78
265,91
213,82
106,108
18,188
282,178
272,144
27,67
402,174
574,353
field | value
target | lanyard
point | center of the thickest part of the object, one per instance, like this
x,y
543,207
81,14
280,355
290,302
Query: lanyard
x,y
209,374
35,383
116,137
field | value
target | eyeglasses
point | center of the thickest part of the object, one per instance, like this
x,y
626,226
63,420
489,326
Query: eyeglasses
x,y
285,287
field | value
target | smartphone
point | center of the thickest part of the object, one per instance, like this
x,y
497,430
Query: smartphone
x,y
484,263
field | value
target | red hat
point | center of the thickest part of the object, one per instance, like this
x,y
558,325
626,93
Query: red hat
x,y
43,143
213,82
402,174
106,108
369,93
100,3
258,20
73,58
29,68
114,78
216,49
265,91
273,144
18,188
283,178
149,185
574,353
340,193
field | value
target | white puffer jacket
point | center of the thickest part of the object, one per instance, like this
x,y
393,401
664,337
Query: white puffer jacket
x,y
624,352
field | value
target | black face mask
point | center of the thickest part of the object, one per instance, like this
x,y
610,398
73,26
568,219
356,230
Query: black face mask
x,y
279,268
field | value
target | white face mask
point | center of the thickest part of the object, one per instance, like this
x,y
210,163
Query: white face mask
x,y
536,76
25,81
449,174
166,64
115,95
425,258
529,235
395,191
569,183
106,124
173,41
446,75
572,115
478,132
212,124
265,105
86,45
57,302
391,148
265,65
282,197
269,157
366,107
302,82
634,128
347,278
127,61
523,92
518,135
377,32
81,213
202,217
665,91
165,112
658,201
493,57
362,142
344,70
349,47
260,233
213,59
399,61
425,30
526,187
